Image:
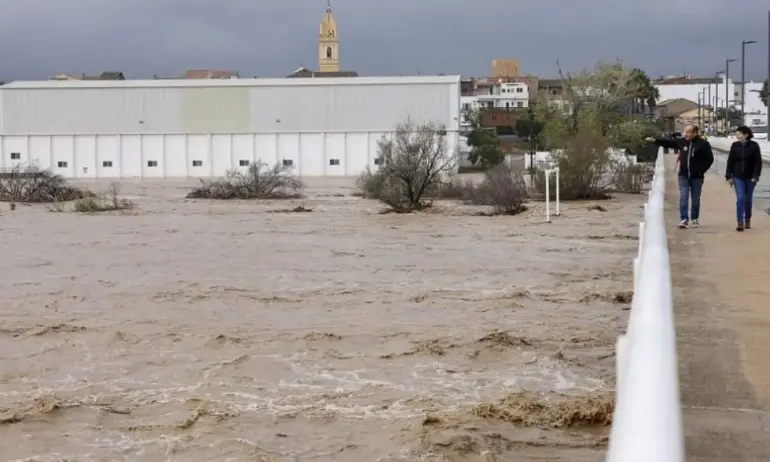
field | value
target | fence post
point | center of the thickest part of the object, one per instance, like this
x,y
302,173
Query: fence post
x,y
558,213
547,196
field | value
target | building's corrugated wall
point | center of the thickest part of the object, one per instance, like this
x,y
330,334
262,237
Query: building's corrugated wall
x,y
226,109
350,108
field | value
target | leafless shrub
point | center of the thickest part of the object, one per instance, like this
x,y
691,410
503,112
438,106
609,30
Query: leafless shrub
x,y
106,202
630,178
31,184
414,163
502,189
260,181
453,189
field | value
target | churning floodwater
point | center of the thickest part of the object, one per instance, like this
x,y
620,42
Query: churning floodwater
x,y
196,330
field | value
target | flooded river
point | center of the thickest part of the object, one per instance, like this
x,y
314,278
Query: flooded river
x,y
216,331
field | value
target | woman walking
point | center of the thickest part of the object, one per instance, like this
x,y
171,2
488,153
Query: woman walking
x,y
744,166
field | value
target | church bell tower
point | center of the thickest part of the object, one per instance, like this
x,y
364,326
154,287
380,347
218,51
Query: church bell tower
x,y
328,43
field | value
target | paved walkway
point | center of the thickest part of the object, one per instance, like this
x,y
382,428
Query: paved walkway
x,y
721,282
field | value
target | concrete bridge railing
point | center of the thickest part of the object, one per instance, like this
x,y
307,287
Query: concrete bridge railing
x,y
647,424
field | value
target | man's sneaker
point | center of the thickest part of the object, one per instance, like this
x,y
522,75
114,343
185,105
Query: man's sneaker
x,y
740,227
747,225
683,224
695,223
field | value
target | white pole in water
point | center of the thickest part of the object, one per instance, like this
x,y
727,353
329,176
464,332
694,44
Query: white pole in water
x,y
547,196
558,213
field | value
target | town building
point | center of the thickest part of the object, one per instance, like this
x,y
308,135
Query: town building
x,y
717,93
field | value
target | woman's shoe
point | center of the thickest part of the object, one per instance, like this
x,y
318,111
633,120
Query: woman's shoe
x,y
747,225
740,227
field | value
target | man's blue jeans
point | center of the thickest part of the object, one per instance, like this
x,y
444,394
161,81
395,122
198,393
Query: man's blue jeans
x,y
744,195
689,187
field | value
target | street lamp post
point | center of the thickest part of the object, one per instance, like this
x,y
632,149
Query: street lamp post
x,y
715,102
727,92
700,107
743,75
709,117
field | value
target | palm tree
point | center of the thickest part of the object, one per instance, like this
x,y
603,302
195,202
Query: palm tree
x,y
643,93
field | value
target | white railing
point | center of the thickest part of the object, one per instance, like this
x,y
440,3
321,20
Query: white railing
x,y
548,172
647,424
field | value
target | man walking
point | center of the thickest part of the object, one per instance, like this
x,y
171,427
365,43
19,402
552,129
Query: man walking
x,y
695,159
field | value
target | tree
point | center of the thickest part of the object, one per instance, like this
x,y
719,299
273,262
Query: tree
x,y
644,95
413,163
595,120
484,143
764,94
530,129
733,116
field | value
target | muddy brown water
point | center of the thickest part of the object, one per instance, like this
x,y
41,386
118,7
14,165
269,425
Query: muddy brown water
x,y
203,330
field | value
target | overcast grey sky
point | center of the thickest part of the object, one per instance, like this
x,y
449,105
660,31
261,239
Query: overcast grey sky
x,y
389,37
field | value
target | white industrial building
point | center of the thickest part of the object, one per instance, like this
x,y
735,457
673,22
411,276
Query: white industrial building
x,y
203,128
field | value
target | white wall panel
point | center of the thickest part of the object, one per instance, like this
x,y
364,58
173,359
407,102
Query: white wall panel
x,y
329,108
91,110
108,156
85,156
243,149
288,150
63,150
198,148
311,156
221,153
356,149
334,149
13,145
374,147
267,148
175,156
40,151
152,156
131,157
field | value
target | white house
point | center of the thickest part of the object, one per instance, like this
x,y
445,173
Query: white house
x,y
202,128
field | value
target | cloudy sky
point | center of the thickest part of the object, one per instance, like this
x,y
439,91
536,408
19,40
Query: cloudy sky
x,y
391,37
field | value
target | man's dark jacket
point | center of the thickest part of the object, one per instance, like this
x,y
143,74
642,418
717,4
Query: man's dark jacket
x,y
696,155
744,161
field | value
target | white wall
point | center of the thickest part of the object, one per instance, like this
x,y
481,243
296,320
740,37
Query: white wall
x,y
753,101
194,155
690,92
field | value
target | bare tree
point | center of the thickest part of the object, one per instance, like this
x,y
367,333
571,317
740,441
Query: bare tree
x,y
502,189
32,184
108,201
413,163
260,181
